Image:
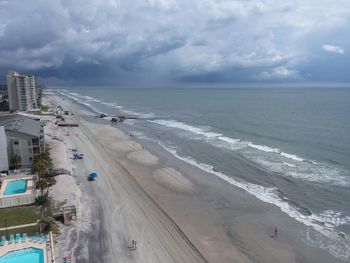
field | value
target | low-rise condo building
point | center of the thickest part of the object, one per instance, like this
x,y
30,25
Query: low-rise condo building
x,y
24,138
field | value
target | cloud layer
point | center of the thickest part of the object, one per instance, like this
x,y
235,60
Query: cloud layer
x,y
333,49
165,41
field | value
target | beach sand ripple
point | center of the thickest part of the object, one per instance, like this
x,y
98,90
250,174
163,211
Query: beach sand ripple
x,y
143,157
172,179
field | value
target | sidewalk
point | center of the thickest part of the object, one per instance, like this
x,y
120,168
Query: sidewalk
x,y
18,226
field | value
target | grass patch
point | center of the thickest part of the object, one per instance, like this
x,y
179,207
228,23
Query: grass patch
x,y
19,215
30,230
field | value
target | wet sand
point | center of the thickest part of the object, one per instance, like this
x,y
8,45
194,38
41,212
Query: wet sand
x,y
174,211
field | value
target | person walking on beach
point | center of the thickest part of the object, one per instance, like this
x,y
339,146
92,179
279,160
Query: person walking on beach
x,y
276,232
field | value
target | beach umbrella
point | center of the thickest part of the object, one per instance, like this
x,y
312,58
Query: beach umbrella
x,y
93,174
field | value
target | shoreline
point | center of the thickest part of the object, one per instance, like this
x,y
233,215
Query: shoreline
x,y
186,251
227,230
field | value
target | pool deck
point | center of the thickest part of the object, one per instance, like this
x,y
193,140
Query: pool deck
x,y
47,248
7,179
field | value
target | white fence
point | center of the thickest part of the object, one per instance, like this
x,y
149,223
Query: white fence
x,y
10,201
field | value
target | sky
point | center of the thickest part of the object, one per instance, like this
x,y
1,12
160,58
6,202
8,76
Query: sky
x,y
176,42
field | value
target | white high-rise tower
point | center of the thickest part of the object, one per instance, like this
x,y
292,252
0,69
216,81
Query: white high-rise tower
x,y
21,91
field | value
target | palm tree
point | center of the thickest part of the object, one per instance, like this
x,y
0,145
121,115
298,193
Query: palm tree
x,y
40,167
43,167
15,160
42,163
47,223
46,153
50,181
42,185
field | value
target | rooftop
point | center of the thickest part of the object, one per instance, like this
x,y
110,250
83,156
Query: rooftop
x,y
21,124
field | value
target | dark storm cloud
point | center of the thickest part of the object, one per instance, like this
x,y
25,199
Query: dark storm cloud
x,y
156,41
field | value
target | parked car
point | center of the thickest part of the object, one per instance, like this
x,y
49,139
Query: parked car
x,y
77,155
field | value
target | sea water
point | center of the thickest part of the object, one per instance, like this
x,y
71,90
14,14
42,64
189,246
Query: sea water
x,y
299,138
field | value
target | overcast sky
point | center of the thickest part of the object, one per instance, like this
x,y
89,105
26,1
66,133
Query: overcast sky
x,y
164,42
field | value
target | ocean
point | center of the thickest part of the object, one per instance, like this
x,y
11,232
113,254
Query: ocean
x,y
289,147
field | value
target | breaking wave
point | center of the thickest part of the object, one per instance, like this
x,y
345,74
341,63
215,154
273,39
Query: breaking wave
x,y
324,224
86,101
270,158
78,99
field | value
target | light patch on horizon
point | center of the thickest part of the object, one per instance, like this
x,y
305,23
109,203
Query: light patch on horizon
x,y
333,49
278,73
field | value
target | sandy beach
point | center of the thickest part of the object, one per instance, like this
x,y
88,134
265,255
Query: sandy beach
x,y
115,209
174,211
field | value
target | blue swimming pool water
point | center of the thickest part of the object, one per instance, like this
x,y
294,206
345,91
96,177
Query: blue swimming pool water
x,y
27,255
16,187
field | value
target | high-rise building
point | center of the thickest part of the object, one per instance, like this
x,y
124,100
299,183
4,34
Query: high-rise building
x,y
21,91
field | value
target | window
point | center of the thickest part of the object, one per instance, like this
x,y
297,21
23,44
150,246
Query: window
x,y
29,142
35,141
15,142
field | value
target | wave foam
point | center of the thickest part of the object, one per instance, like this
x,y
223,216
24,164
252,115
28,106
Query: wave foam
x,y
139,114
186,127
271,158
216,139
306,172
289,164
219,136
264,148
292,157
324,223
75,97
332,218
85,100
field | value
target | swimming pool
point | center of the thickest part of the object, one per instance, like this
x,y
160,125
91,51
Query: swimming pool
x,y
27,255
16,187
